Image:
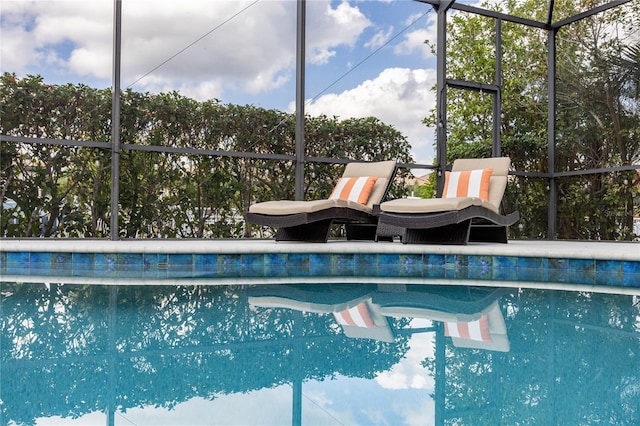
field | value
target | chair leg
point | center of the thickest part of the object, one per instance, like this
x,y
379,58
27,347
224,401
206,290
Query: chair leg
x,y
315,232
488,234
457,233
360,231
386,232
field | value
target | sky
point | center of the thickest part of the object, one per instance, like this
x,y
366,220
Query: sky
x,y
363,58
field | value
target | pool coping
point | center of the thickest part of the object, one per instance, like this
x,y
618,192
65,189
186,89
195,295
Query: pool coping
x,y
607,250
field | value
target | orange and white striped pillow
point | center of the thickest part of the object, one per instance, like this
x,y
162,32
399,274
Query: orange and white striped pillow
x,y
358,316
355,189
474,330
467,183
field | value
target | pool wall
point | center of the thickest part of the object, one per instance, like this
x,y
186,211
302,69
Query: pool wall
x,y
580,265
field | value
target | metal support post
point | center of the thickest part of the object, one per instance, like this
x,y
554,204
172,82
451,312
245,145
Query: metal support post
x,y
552,212
300,86
497,97
441,101
115,120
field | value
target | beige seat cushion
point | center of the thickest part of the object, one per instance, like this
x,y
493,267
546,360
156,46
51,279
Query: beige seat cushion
x,y
383,170
497,187
285,207
433,205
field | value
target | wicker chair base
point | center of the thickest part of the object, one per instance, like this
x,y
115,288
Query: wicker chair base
x,y
473,224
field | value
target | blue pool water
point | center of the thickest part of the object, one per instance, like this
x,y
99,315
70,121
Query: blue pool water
x,y
316,354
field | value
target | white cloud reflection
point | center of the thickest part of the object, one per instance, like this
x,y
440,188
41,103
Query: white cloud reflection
x,y
409,373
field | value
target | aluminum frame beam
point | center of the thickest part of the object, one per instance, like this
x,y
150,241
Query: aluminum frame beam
x,y
487,13
524,21
589,13
552,200
114,229
441,100
300,93
496,149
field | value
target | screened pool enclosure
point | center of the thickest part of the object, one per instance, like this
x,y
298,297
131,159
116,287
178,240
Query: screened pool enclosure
x,y
566,183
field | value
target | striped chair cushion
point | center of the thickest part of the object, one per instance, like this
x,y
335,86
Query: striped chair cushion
x,y
467,183
358,316
355,189
474,330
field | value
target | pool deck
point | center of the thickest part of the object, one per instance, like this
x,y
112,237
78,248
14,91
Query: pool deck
x,y
578,265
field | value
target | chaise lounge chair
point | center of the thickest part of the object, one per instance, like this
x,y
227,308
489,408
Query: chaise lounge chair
x,y
467,211
362,186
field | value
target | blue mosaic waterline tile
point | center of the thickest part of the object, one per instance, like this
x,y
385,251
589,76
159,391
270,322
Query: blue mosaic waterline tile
x,y
631,280
388,266
480,267
630,267
343,265
370,265
556,270
411,265
319,265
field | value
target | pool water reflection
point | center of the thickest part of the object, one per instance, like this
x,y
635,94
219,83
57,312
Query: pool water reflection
x,y
317,354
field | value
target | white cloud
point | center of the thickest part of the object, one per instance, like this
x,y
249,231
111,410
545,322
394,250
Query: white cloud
x,y
328,28
320,55
87,61
420,415
346,14
230,409
398,96
379,38
209,89
414,41
31,30
246,45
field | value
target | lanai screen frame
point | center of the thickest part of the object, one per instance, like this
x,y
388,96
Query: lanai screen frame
x,y
441,8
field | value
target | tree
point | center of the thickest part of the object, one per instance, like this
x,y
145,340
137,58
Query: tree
x,y
597,112
597,126
48,182
62,190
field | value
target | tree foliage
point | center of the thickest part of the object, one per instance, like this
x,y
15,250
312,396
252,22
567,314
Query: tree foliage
x,y
59,190
597,118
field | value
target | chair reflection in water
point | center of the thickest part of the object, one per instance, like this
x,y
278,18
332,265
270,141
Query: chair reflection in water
x,y
350,305
471,316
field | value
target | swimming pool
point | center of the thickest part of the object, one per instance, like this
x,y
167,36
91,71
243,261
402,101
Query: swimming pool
x,y
253,332
320,354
